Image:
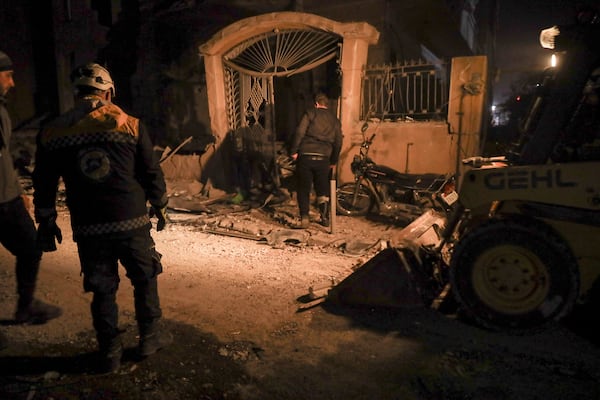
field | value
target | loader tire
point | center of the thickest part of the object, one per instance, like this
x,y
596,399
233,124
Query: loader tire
x,y
514,277
353,202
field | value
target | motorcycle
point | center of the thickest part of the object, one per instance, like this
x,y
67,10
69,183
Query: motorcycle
x,y
386,192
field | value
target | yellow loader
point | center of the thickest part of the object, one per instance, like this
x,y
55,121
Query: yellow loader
x,y
521,246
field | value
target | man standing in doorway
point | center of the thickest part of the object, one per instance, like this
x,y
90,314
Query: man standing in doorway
x,y
316,148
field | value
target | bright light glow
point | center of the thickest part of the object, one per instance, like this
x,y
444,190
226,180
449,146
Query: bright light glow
x,y
553,60
493,108
547,37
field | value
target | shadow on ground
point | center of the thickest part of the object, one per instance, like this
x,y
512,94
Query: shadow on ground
x,y
196,366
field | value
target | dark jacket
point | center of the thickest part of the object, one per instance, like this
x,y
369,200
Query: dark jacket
x,y
108,166
319,133
10,188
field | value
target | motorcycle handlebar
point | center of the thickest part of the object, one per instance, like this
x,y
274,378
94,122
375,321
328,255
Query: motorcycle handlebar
x,y
479,161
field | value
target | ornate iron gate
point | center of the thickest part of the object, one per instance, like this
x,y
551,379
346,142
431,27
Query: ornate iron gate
x,y
251,65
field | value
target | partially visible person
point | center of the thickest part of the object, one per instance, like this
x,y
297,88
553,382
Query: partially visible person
x,y
316,148
106,160
17,229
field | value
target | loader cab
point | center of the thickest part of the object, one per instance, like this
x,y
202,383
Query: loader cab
x,y
580,139
582,134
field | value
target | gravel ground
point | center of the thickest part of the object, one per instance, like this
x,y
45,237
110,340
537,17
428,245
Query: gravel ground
x,y
241,332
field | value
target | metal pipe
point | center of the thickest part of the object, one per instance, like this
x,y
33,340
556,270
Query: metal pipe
x,y
332,200
407,153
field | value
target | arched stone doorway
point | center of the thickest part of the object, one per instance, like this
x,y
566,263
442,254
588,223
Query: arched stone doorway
x,y
248,64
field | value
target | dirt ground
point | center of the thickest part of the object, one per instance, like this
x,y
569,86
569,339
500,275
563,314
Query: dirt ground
x,y
234,306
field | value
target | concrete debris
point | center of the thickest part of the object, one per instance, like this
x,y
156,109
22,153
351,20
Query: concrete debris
x,y
281,236
273,223
360,246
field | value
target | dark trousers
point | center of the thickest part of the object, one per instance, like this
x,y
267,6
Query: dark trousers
x,y
311,170
18,236
100,267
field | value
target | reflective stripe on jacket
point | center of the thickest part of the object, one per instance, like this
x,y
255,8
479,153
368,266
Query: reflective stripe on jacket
x,y
108,166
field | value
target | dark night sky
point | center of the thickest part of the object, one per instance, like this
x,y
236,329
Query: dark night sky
x,y
518,49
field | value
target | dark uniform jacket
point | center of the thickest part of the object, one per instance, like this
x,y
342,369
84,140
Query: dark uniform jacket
x,y
319,133
108,166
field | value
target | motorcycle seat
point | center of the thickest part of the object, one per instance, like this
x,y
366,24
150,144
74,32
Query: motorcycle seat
x,y
423,182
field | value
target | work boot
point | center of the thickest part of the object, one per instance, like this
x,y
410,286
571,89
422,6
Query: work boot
x,y
324,211
152,339
36,312
111,351
304,222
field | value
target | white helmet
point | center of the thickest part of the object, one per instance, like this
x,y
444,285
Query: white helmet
x,y
93,75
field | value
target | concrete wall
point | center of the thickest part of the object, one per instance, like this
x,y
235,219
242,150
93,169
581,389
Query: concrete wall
x,y
421,147
429,147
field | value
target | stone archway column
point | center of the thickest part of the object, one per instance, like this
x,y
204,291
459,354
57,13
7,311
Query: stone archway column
x,y
353,62
356,36
217,108
217,105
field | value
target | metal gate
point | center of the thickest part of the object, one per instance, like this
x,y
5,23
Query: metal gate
x,y
251,65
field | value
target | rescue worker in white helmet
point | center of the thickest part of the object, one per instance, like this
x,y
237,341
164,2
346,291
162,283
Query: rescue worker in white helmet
x,y
106,160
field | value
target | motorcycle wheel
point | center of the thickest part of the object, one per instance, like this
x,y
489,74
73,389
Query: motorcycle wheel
x,y
512,277
353,199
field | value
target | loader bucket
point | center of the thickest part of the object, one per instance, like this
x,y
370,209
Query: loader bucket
x,y
398,275
386,280
424,231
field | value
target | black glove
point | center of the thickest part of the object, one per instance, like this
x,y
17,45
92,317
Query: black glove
x,y
160,212
47,233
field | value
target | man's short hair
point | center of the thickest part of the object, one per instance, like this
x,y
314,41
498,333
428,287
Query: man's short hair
x,y
322,99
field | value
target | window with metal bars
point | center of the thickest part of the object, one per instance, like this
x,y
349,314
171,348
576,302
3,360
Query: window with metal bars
x,y
410,91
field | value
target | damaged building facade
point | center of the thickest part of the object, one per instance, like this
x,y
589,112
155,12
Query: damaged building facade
x,y
235,76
